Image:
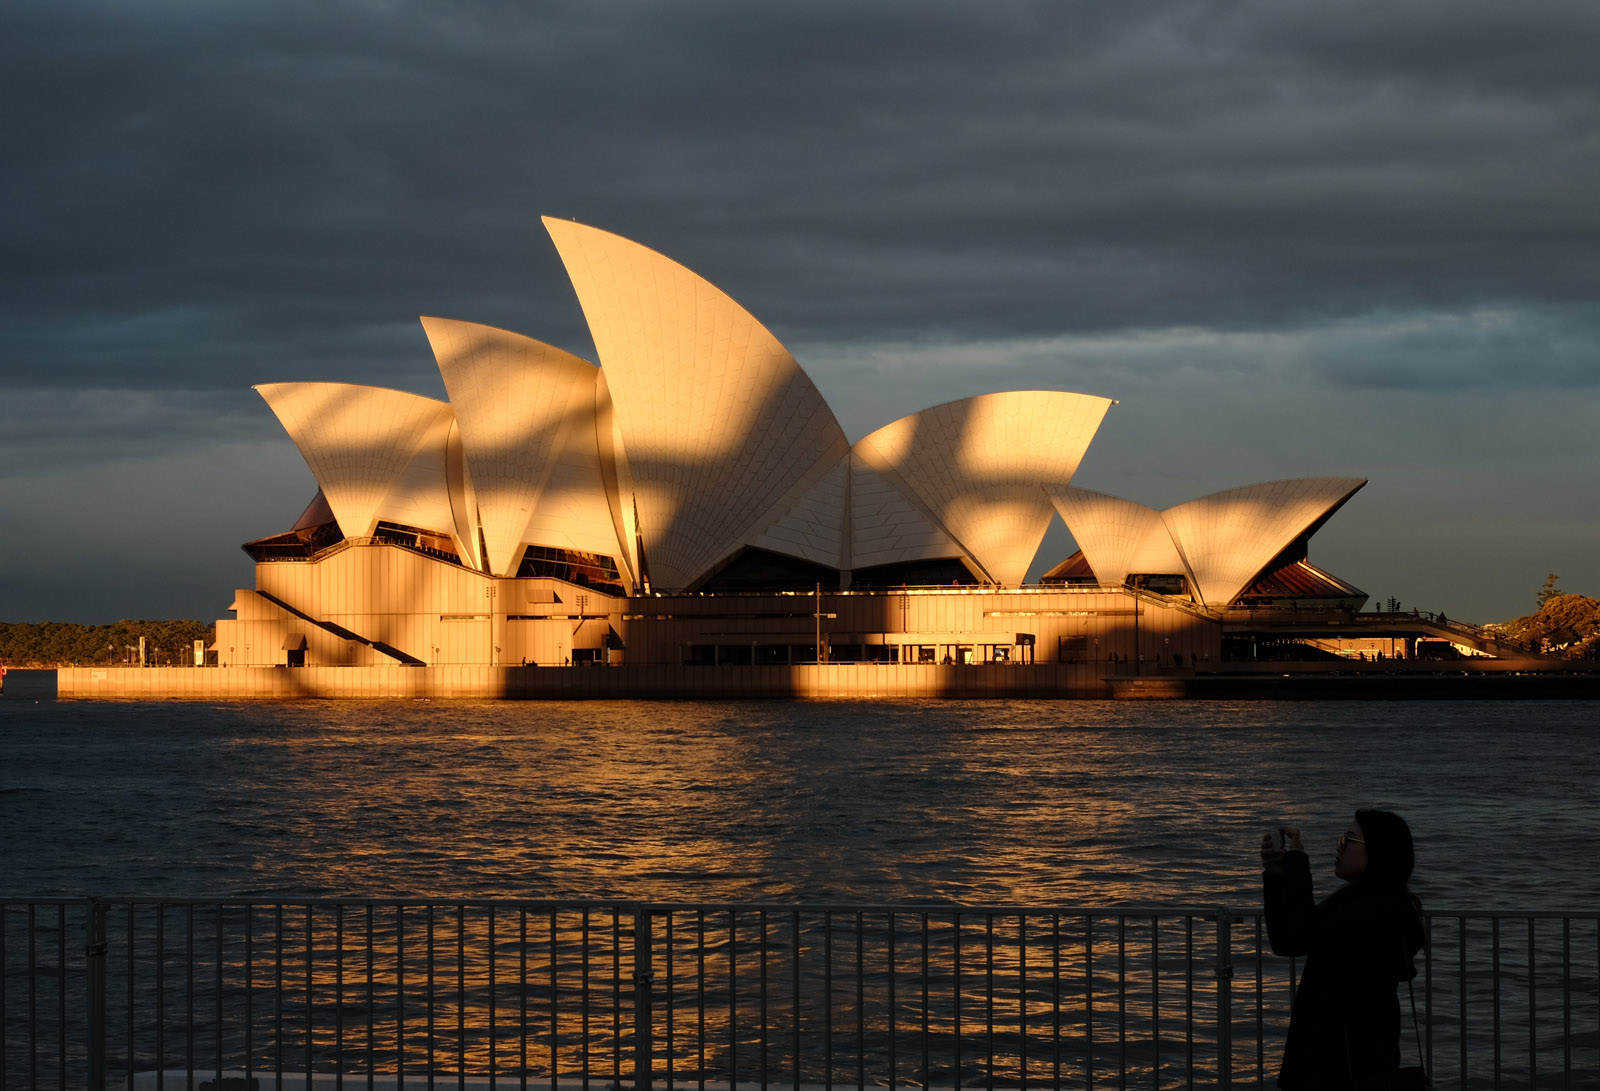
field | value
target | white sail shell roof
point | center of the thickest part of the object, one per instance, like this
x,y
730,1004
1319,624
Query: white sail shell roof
x,y
419,497
723,433
813,528
1117,536
1227,538
979,466
360,442
527,416
887,526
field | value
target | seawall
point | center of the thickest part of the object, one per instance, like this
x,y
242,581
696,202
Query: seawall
x,y
855,681
832,681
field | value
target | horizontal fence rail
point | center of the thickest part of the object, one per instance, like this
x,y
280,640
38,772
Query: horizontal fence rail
x,y
209,994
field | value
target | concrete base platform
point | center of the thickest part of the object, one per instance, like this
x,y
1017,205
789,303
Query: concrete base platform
x,y
829,681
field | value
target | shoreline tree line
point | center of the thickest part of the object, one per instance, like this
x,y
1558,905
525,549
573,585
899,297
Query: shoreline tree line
x,y
45,644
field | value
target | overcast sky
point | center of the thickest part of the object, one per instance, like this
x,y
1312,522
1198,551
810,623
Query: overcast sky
x,y
1292,239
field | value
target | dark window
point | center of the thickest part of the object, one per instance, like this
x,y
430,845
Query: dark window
x,y
942,571
1160,583
753,569
595,571
430,543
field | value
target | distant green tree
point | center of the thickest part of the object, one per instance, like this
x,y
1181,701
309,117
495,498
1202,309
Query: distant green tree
x,y
63,644
1548,591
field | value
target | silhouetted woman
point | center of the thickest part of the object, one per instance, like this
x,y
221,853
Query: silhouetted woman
x,y
1357,943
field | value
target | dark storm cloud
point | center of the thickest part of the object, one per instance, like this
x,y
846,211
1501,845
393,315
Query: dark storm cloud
x,y
1167,201
205,193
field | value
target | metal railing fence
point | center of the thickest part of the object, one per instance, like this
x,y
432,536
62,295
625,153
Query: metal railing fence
x,y
181,993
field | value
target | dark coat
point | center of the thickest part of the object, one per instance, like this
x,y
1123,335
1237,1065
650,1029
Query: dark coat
x,y
1358,945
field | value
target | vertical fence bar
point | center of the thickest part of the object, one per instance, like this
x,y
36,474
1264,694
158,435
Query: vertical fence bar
x,y
493,1070
249,992
522,997
1155,1001
1461,999
400,995
927,1073
1494,980
861,1001
33,999
132,1040
1122,1000
1055,975
1533,1022
643,974
894,1065
311,1029
955,988
764,1025
1566,998
733,1001
1427,962
61,995
217,982
372,1011
988,989
616,996
1022,998
555,1051
428,938
827,1000
188,996
1261,1026
5,995
1188,994
461,995
277,993
671,1004
700,993
1224,997
583,996
794,969
338,996
161,996
1088,1001
94,965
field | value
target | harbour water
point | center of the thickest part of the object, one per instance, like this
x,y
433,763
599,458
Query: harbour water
x,y
1025,802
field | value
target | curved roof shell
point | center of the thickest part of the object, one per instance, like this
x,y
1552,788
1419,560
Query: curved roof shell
x,y
1229,537
977,468
722,432
1117,536
527,416
376,453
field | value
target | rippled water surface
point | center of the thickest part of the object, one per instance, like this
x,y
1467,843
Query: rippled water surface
x,y
1072,802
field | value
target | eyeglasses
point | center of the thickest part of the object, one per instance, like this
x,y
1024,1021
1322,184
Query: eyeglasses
x,y
1345,839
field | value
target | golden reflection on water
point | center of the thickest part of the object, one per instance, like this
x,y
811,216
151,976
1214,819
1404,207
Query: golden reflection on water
x,y
920,801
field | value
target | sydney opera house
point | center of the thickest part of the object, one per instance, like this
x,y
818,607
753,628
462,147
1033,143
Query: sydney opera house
x,y
690,501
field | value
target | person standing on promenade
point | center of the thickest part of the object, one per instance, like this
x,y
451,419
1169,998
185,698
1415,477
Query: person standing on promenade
x,y
1358,944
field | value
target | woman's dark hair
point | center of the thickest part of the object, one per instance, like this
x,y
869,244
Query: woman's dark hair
x,y
1390,855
